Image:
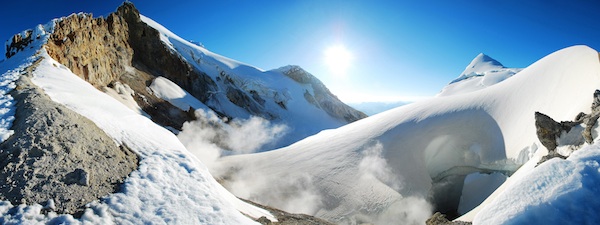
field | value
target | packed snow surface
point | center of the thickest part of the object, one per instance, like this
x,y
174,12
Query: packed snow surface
x,y
171,92
418,145
556,192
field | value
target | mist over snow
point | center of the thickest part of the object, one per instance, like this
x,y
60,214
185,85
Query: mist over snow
x,y
209,137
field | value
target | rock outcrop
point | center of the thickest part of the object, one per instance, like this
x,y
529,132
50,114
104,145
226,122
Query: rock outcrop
x,y
18,43
591,119
57,157
285,218
96,49
549,131
121,48
440,219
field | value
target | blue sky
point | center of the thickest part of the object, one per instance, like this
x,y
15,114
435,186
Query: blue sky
x,y
400,49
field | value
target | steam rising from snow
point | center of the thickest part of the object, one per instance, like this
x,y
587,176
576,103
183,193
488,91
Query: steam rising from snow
x,y
294,193
298,191
374,166
405,210
208,137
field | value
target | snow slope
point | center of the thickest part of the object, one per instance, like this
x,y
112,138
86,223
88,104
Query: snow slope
x,y
483,71
556,192
419,146
285,101
171,185
167,90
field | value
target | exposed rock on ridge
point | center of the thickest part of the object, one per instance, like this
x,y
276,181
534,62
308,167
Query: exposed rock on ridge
x,y
322,98
18,42
96,49
57,157
121,48
151,54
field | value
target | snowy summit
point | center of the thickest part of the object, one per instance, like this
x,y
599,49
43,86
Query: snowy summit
x,y
483,71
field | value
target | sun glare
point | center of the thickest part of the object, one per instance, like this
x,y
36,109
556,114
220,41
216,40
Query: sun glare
x,y
338,59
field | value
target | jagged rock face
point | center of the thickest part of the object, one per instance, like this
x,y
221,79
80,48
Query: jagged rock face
x,y
59,156
123,48
323,98
549,130
96,49
151,54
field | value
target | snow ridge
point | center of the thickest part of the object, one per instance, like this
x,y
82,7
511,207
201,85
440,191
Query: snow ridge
x,y
22,55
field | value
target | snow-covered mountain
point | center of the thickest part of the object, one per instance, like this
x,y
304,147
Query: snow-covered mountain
x,y
133,51
483,71
405,163
117,120
97,104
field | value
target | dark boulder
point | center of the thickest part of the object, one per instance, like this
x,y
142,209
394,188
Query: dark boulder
x,y
549,130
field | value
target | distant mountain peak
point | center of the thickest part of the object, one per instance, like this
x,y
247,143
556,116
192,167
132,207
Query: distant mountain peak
x,y
482,58
483,71
480,64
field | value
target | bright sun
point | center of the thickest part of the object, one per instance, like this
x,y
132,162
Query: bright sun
x,y
338,59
